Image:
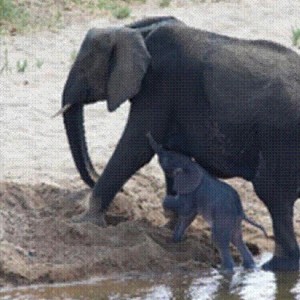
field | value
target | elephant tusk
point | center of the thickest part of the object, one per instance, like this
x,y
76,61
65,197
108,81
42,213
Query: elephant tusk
x,y
61,111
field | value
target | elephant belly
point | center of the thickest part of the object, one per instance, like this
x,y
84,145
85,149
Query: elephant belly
x,y
241,150
227,153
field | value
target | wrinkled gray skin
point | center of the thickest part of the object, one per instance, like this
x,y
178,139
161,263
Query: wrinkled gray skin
x,y
197,192
231,104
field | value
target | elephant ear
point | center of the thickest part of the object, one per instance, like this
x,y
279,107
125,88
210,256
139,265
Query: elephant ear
x,y
130,60
188,179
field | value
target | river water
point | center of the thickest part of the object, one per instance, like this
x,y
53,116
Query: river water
x,y
204,285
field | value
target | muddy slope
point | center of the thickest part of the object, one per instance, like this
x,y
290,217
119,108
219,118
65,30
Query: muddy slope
x,y
39,242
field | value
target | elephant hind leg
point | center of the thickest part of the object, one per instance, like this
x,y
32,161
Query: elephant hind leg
x,y
237,241
221,237
279,195
286,255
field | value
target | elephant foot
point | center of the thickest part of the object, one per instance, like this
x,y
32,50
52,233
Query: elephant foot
x,y
170,224
227,270
249,266
173,218
93,214
282,264
177,240
91,217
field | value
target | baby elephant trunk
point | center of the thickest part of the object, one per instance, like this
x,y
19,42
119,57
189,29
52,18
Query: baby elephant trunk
x,y
250,221
154,145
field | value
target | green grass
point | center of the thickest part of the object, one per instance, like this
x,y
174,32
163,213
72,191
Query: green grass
x,y
107,4
22,16
22,65
119,9
5,66
73,55
12,18
121,12
164,3
78,2
39,63
296,37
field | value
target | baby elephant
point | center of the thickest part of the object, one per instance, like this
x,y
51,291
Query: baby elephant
x,y
198,192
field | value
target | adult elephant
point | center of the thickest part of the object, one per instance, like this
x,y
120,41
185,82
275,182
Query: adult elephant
x,y
232,104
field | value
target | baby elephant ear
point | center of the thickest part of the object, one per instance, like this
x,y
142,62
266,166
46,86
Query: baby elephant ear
x,y
188,179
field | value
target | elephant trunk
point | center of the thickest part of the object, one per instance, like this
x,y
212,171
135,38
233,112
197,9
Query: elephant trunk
x,y
74,124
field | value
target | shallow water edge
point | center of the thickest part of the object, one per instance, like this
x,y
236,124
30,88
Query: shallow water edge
x,y
205,285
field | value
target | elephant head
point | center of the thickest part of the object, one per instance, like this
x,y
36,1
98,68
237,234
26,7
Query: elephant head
x,y
186,172
110,66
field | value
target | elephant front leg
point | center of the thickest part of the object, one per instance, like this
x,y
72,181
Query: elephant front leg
x,y
172,216
132,152
128,158
182,224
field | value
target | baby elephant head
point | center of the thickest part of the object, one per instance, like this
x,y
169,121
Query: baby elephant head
x,y
187,173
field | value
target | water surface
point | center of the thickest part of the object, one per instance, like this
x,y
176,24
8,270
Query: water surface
x,y
205,285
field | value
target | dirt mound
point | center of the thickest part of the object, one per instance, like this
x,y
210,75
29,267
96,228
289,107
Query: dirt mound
x,y
40,243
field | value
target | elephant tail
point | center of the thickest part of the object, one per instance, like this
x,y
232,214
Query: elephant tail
x,y
253,223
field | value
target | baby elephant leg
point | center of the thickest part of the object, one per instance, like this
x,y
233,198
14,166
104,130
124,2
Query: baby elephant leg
x,y
182,224
237,241
221,237
170,214
170,205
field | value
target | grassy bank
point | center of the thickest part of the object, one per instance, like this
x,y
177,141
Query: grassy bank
x,y
21,16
